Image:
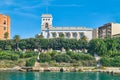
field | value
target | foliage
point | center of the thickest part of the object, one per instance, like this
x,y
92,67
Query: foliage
x,y
62,58
30,62
44,57
97,46
6,35
8,56
111,61
82,56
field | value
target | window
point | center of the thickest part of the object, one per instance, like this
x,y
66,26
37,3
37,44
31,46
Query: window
x,y
46,25
48,19
4,22
68,35
54,34
74,35
4,28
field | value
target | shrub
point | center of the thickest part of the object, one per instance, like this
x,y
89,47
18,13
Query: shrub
x,y
8,56
26,55
14,57
30,62
82,56
62,58
44,57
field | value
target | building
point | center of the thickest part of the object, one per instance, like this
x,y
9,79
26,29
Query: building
x,y
109,30
48,31
95,33
4,27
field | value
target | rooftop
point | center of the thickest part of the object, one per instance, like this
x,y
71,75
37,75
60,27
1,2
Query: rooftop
x,y
70,28
46,16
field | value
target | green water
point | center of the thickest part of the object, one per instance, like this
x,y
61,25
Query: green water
x,y
56,76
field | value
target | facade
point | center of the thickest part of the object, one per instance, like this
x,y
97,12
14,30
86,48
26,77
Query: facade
x,y
4,26
95,33
109,30
48,31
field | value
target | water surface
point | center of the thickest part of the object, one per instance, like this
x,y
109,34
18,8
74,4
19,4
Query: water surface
x,y
56,76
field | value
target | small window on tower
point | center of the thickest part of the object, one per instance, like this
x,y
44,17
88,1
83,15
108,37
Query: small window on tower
x,y
48,19
4,22
43,19
4,28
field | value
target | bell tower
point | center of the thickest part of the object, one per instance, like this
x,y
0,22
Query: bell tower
x,y
46,22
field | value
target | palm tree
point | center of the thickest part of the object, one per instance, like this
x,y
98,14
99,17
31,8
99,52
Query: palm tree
x,y
84,38
6,34
17,39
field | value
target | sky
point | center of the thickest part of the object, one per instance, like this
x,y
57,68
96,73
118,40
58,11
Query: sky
x,y
25,15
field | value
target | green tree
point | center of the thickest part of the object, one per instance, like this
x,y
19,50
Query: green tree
x,y
30,62
97,46
84,38
16,40
39,36
6,35
61,35
62,58
44,57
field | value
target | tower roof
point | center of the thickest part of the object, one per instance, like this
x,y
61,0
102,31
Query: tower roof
x,y
46,16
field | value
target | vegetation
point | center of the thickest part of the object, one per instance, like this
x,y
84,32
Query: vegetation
x,y
108,49
44,58
30,62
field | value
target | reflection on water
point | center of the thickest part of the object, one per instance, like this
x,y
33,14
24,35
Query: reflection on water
x,y
56,76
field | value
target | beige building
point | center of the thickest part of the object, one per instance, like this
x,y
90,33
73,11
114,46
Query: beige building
x,y
95,33
109,30
49,31
4,26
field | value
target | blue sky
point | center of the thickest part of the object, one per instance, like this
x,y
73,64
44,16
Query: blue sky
x,y
26,14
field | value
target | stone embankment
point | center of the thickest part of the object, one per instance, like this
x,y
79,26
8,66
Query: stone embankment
x,y
109,70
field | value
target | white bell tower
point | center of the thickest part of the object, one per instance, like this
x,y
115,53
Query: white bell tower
x,y
46,21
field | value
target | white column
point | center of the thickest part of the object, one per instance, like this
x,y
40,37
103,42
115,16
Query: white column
x,y
57,34
78,35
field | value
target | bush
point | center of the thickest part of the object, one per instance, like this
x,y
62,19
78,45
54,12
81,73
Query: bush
x,y
62,58
70,53
44,57
111,62
14,57
82,56
8,56
30,62
26,55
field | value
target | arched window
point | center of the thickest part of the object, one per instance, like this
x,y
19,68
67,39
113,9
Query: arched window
x,y
74,35
46,25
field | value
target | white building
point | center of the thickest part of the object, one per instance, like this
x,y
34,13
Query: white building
x,y
48,31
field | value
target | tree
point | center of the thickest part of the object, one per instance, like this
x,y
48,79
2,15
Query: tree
x,y
6,34
61,35
97,46
44,57
39,36
84,38
16,40
62,58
